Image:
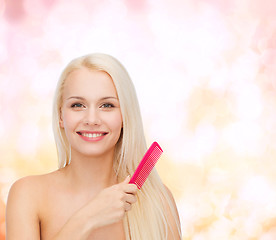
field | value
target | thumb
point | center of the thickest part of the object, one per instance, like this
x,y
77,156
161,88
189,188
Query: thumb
x,y
127,179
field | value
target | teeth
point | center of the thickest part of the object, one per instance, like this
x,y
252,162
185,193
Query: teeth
x,y
92,135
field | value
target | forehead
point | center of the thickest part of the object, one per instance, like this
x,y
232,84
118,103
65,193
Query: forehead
x,y
89,83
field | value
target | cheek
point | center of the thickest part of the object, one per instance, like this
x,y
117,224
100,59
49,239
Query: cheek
x,y
116,122
67,120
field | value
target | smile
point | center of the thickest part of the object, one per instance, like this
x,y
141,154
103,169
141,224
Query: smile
x,y
92,135
95,136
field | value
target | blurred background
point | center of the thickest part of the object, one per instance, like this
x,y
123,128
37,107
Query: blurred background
x,y
204,71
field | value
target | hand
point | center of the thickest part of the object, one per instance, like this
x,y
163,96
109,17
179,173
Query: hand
x,y
110,205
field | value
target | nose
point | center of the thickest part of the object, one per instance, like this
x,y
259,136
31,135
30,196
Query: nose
x,y
92,117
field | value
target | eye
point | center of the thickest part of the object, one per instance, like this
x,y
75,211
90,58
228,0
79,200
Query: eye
x,y
107,105
77,105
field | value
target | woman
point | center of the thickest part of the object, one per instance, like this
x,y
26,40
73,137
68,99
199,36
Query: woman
x,y
100,141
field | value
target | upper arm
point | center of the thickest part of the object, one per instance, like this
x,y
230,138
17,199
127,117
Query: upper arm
x,y
22,220
174,232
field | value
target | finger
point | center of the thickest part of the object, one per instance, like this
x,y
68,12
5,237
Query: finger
x,y
130,188
127,206
131,199
127,179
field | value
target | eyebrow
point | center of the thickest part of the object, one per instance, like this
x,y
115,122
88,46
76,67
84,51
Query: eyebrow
x,y
81,98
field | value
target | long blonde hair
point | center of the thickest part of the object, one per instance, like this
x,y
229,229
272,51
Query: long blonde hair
x,y
147,219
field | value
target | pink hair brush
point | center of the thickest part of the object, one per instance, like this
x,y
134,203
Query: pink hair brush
x,y
146,165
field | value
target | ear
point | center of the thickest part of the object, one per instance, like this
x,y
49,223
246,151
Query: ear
x,y
61,124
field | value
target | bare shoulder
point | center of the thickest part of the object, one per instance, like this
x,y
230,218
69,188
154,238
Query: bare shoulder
x,y
169,192
30,190
30,186
173,217
23,189
23,204
171,198
24,184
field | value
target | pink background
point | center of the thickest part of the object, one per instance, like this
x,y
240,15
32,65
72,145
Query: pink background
x,y
204,72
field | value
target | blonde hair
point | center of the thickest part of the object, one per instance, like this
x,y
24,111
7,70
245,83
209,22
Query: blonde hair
x,y
147,219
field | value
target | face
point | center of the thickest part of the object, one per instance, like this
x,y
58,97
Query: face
x,y
90,113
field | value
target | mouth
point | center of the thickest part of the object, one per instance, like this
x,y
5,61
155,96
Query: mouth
x,y
92,135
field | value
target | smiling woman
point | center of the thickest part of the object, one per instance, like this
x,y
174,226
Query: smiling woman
x,y
100,141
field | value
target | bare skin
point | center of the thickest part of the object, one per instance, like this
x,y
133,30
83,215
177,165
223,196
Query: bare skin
x,y
46,207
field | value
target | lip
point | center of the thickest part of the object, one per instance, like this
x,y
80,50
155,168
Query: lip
x,y
90,136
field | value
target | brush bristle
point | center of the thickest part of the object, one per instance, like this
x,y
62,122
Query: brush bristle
x,y
146,165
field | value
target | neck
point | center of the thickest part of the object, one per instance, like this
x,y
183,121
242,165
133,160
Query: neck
x,y
91,173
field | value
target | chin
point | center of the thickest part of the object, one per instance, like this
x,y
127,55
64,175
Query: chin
x,y
97,152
